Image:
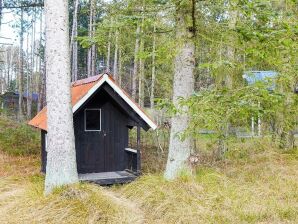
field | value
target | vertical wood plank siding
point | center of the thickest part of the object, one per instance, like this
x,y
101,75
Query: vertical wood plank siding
x,y
103,151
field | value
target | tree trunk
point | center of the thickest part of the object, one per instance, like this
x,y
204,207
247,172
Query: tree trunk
x,y
120,68
74,42
41,85
94,55
231,50
179,151
9,65
153,68
141,75
21,69
142,61
1,8
109,52
92,49
135,66
29,79
115,70
61,158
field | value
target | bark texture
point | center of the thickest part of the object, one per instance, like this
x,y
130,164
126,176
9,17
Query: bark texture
x,y
74,42
179,151
135,64
109,52
153,69
61,159
231,50
41,69
1,7
120,68
21,68
92,50
115,69
141,75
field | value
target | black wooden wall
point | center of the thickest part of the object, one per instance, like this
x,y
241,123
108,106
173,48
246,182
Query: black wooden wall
x,y
102,151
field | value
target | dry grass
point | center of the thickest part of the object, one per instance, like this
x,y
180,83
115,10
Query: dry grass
x,y
22,199
83,203
260,187
18,166
254,183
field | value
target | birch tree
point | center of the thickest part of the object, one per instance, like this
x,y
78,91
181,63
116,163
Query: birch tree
x,y
61,158
183,86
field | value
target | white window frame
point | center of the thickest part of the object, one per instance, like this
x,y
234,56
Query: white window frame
x,y
98,109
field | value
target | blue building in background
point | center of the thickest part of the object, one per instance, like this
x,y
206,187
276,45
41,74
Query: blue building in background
x,y
252,77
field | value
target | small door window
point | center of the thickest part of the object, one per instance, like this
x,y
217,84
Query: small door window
x,y
92,119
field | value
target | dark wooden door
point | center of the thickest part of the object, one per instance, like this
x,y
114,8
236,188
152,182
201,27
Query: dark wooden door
x,y
94,152
89,146
113,138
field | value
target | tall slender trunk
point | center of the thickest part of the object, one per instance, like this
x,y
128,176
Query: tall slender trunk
x,y
28,78
109,52
21,69
115,69
92,49
231,50
30,90
9,65
74,42
42,89
41,86
2,82
141,75
94,56
142,61
135,66
179,150
1,8
61,155
153,68
120,67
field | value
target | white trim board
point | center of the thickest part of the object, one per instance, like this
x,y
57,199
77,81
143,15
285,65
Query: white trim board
x,y
131,150
118,90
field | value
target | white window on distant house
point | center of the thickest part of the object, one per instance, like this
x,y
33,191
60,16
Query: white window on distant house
x,y
92,119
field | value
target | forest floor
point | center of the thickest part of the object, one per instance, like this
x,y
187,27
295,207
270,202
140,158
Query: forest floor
x,y
253,183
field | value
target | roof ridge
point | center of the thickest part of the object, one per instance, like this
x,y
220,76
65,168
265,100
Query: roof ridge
x,y
87,80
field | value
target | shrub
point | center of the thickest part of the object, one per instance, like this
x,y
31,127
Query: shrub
x,y
18,139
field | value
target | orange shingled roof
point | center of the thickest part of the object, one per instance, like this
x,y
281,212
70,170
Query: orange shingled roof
x,y
78,90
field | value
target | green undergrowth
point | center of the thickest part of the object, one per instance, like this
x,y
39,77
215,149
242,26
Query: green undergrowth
x,y
18,139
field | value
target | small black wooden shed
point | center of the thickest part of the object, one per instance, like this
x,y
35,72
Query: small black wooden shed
x,y
103,114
